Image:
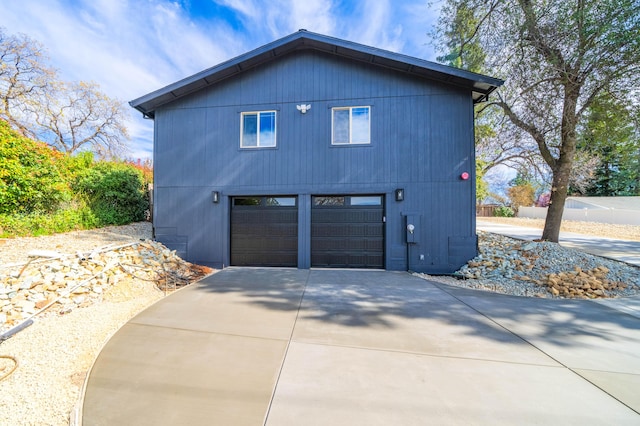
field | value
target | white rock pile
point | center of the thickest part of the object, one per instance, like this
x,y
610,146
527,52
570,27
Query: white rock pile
x,y
543,269
58,282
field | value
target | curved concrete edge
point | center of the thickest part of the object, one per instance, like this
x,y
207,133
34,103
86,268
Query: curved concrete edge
x,y
215,348
75,416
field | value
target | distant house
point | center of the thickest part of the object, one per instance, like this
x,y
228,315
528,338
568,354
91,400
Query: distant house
x,y
313,151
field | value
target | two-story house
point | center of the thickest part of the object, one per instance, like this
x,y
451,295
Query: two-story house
x,y
313,151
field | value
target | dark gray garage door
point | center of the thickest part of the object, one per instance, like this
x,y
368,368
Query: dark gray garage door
x,y
264,231
347,231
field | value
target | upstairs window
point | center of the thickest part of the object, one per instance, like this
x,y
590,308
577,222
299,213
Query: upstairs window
x,y
350,125
258,129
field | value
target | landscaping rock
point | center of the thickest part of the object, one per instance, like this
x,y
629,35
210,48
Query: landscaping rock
x,y
77,280
544,269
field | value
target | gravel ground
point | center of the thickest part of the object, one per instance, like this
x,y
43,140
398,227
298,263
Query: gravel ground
x,y
14,250
54,356
55,353
510,266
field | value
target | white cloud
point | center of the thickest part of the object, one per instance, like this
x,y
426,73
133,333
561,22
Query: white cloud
x,y
248,8
419,19
283,17
132,47
129,48
373,27
288,16
316,17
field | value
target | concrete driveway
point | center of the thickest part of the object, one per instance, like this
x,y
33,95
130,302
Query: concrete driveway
x,y
329,347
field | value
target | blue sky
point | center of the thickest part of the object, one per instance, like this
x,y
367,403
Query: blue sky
x,y
132,47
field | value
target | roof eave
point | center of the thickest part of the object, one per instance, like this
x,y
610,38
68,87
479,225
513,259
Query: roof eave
x,y
480,85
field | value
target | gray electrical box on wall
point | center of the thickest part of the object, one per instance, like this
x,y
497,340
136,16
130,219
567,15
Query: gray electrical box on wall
x,y
412,227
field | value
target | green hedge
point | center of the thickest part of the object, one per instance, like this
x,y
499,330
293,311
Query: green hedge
x,y
43,191
114,192
33,178
504,211
36,224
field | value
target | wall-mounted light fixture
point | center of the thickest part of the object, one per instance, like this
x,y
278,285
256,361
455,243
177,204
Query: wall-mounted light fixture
x,y
215,197
400,194
303,108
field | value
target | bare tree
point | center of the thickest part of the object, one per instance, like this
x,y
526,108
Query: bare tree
x,y
24,78
556,57
77,116
504,144
70,117
583,171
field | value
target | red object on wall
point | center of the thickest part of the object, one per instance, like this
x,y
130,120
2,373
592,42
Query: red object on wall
x,y
464,176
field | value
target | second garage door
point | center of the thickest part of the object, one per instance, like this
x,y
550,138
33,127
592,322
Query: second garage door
x,y
347,231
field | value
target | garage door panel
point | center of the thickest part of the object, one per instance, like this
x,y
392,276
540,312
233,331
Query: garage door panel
x,y
269,260
374,231
274,217
257,245
328,230
356,244
285,231
375,245
263,234
347,236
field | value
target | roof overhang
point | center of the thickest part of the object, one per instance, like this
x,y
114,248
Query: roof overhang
x,y
480,85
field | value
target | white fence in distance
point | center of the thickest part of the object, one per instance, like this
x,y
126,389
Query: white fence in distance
x,y
616,216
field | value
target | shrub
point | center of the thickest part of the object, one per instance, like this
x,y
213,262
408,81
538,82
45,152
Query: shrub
x,y
503,211
35,224
77,164
521,195
146,167
32,176
43,191
114,192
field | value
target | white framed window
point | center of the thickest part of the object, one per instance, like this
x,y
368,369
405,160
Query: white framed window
x,y
351,125
258,129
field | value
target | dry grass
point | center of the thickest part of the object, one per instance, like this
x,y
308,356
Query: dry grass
x,y
623,232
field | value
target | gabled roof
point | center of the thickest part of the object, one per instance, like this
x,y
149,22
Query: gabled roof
x,y
480,85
